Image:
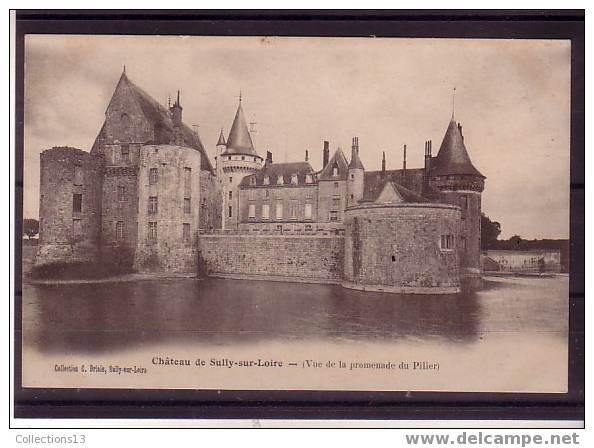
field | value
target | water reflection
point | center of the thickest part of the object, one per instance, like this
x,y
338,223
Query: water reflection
x,y
120,316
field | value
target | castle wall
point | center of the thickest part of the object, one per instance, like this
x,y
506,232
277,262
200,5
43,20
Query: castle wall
x,y
67,235
168,249
211,201
120,205
287,195
311,259
397,248
327,192
465,192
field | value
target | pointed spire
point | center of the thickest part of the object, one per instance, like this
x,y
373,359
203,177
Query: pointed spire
x,y
355,160
453,157
453,104
221,141
240,140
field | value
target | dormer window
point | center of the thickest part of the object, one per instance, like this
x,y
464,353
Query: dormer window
x,y
266,180
335,171
308,179
280,180
253,180
294,179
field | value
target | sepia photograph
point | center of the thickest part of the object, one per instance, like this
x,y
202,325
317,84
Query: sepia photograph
x,y
296,213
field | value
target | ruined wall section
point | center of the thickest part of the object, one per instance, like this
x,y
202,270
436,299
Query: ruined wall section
x,y
70,206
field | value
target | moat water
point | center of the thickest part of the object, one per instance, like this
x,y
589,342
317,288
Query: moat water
x,y
509,320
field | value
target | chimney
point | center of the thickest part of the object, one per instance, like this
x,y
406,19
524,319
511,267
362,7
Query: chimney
x,y
427,157
404,160
176,112
306,155
383,163
326,154
268,158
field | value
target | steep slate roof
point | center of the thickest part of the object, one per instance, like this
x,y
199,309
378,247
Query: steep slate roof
x,y
339,160
240,140
372,192
160,119
274,170
452,157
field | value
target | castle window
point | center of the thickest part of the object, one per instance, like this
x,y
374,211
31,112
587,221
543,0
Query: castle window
x,y
266,193
186,231
266,180
152,204
294,180
463,243
152,231
229,158
77,228
308,211
335,201
335,171
252,211
77,203
121,193
119,230
308,227
352,197
230,195
279,210
230,212
294,205
352,176
78,175
153,176
253,180
446,242
230,179
187,205
265,211
335,184
308,179
187,181
242,157
125,153
280,180
334,215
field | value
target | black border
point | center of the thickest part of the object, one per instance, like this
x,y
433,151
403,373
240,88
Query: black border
x,y
152,403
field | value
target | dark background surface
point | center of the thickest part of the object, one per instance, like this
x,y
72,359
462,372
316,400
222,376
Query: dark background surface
x,y
128,403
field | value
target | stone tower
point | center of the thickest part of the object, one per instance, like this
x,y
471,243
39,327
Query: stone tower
x,y
356,176
459,183
238,160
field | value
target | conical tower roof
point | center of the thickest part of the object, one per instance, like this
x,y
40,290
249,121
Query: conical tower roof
x,y
240,140
452,157
221,141
356,163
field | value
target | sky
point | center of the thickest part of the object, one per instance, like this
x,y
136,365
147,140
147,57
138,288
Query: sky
x,y
512,99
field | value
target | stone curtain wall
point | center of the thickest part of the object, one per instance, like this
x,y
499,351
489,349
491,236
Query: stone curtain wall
x,y
396,248
312,259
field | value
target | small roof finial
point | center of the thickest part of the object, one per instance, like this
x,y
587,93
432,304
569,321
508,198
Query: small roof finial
x,y
453,103
240,95
124,68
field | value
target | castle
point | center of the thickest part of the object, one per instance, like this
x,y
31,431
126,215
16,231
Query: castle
x,y
146,197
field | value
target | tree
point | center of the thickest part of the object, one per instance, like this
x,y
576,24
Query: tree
x,y
30,227
490,230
